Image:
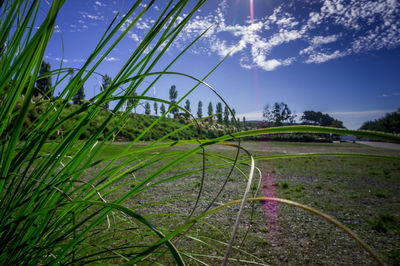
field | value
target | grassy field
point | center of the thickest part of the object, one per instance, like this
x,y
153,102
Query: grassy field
x,y
362,193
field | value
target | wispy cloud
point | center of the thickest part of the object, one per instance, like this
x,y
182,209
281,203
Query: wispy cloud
x,y
58,59
99,3
64,60
80,60
96,16
110,59
353,26
317,57
395,94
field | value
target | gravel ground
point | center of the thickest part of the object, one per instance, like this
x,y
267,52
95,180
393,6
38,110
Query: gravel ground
x,y
355,191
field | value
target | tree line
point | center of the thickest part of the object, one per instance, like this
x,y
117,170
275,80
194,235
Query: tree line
x,y
389,123
280,114
222,116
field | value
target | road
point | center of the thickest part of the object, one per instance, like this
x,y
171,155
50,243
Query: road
x,y
385,145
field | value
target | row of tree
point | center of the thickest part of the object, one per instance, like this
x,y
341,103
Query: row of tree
x,y
280,114
222,116
389,123
276,115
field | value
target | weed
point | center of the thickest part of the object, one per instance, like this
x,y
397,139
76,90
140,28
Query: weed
x,y
197,184
385,222
331,189
395,257
298,188
283,184
380,193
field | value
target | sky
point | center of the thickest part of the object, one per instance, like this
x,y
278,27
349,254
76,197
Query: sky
x,y
340,57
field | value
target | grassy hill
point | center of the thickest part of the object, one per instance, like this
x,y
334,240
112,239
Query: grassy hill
x,y
135,125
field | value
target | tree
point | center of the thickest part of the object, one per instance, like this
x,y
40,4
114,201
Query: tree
x,y
131,102
147,108
268,116
44,84
226,115
155,105
244,123
187,107
79,96
278,114
281,113
389,123
320,119
106,82
233,116
219,112
210,111
311,117
173,95
200,110
162,109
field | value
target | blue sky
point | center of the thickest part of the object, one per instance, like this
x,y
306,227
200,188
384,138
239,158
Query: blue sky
x,y
340,57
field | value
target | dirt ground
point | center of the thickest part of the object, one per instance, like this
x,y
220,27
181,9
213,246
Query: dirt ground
x,y
361,193
384,145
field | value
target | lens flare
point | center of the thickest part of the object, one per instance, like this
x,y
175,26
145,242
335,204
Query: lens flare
x,y
251,11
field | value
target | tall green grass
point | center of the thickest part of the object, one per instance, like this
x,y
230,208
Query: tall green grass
x,y
57,194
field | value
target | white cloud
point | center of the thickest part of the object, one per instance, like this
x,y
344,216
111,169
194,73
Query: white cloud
x,y
95,17
354,26
142,25
323,57
351,26
272,64
134,37
390,94
58,59
318,40
99,3
98,16
109,59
